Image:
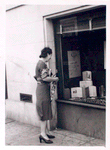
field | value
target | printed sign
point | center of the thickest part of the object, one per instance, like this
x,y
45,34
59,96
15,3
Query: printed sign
x,y
74,64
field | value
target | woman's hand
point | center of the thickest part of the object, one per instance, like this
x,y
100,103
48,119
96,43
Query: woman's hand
x,y
56,79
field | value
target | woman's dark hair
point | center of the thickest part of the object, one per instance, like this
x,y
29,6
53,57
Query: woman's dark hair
x,y
45,51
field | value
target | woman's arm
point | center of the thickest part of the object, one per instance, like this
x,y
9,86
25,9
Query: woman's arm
x,y
50,79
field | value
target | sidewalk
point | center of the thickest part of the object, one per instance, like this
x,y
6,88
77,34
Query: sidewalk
x,y
20,134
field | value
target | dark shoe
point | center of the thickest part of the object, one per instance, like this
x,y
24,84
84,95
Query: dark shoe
x,y
41,138
51,136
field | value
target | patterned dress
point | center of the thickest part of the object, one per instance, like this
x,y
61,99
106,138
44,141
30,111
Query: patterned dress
x,y
43,104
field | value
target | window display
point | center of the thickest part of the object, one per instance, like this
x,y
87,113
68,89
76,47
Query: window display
x,y
82,61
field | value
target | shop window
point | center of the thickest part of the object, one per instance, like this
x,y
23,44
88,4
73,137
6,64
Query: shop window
x,y
90,46
83,34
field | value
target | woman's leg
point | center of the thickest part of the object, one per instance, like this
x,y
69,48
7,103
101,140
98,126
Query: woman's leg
x,y
49,134
43,129
47,127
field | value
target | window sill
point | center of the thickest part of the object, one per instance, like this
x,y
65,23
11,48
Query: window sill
x,y
85,104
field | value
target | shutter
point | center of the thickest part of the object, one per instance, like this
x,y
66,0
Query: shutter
x,y
99,22
69,24
83,24
73,24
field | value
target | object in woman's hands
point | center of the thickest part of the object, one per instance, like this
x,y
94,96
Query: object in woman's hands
x,y
53,87
54,75
50,72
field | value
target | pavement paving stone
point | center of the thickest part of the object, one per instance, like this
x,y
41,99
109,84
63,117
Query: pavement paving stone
x,y
21,134
93,143
35,142
16,128
68,141
16,131
27,141
74,135
86,144
58,140
61,131
21,137
97,142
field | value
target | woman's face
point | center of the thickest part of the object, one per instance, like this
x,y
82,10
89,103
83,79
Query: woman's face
x,y
49,56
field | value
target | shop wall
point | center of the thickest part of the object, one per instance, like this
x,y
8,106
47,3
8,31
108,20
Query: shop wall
x,y
84,120
26,35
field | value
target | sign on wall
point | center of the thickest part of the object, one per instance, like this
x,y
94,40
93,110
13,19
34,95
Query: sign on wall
x,y
74,64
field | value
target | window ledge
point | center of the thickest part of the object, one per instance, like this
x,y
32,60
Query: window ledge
x,y
81,104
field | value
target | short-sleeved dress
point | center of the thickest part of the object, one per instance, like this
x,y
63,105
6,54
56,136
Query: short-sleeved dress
x,y
43,104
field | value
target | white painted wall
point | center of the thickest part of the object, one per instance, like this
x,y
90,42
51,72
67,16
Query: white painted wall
x,y
26,34
24,40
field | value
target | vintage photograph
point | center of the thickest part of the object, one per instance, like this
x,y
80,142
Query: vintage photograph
x,y
55,75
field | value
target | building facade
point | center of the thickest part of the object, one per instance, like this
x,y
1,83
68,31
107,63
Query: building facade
x,y
77,36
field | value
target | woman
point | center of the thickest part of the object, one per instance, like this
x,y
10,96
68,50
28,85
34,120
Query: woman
x,y
43,104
